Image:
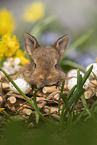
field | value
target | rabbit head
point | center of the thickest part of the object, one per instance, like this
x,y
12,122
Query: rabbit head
x,y
43,69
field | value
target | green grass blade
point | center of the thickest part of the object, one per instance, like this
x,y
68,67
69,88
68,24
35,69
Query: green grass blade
x,y
61,116
79,92
63,108
71,92
37,116
70,118
79,80
79,88
59,104
72,101
60,96
79,41
94,111
62,86
81,114
76,95
7,116
94,76
76,109
85,105
64,98
80,83
87,75
35,103
34,99
28,120
39,27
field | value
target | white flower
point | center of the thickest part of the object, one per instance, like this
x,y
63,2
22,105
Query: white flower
x,y
16,61
94,70
6,64
11,65
73,80
17,67
73,73
6,70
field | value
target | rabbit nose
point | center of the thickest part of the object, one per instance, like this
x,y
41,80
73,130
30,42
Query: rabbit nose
x,y
49,77
41,77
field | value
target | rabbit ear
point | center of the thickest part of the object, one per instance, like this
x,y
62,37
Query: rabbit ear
x,y
30,43
61,44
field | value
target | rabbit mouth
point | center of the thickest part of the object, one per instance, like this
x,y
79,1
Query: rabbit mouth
x,y
40,86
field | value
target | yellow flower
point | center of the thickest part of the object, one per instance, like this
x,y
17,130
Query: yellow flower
x,y
2,109
2,51
1,56
20,54
7,22
34,12
8,45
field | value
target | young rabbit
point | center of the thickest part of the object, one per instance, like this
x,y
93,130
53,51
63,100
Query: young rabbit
x,y
43,70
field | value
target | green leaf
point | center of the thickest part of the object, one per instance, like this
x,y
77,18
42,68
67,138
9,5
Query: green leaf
x,y
39,27
37,116
85,105
60,95
87,74
93,111
70,118
35,103
62,86
34,99
79,80
7,116
95,76
64,98
81,114
71,92
79,41
74,100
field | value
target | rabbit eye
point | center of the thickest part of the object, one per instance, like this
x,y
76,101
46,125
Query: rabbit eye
x,y
34,65
56,66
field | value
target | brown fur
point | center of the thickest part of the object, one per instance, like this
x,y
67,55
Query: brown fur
x,y
43,69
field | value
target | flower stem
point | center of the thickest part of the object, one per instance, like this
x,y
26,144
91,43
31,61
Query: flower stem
x,y
79,41
42,25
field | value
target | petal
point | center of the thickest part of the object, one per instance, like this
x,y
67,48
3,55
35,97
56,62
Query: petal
x,y
24,60
19,53
2,109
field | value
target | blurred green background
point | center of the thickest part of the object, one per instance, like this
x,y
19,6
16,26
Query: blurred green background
x,y
74,17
